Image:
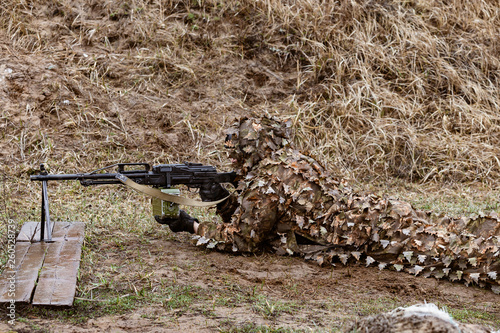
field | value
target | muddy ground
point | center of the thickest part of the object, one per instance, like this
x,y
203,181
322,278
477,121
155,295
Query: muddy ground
x,y
210,292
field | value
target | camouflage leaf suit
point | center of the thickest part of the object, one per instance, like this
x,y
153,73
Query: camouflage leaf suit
x,y
287,201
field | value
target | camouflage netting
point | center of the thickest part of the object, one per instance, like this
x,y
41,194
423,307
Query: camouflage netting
x,y
289,202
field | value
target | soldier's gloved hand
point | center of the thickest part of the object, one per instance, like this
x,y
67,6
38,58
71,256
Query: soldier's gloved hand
x,y
212,192
183,223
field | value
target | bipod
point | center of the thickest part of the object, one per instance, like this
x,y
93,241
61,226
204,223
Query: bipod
x,y
42,268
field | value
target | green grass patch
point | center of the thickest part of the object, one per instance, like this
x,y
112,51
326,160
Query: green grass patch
x,y
472,316
253,328
85,309
270,308
178,297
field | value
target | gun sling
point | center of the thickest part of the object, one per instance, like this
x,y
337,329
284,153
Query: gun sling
x,y
165,196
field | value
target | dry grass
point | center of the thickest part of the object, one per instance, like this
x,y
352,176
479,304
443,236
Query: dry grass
x,y
383,88
406,90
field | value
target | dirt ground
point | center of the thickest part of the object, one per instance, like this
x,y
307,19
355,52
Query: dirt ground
x,y
85,84
239,292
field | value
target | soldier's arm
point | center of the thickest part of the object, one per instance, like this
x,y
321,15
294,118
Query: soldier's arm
x,y
215,192
249,219
251,222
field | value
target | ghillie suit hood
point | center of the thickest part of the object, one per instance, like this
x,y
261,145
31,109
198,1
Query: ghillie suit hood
x,y
252,140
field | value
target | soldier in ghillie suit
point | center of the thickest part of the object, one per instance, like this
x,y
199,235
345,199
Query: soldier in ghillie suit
x,y
286,201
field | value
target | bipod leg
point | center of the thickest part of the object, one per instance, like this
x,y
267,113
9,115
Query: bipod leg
x,y
45,220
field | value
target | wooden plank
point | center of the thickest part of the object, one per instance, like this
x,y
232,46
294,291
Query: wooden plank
x,y
57,284
30,232
57,281
27,231
26,274
8,275
68,231
51,267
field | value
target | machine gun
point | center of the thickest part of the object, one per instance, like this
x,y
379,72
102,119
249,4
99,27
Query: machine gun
x,y
193,175
140,176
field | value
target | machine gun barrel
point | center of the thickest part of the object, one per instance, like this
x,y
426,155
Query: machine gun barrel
x,y
87,179
76,176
